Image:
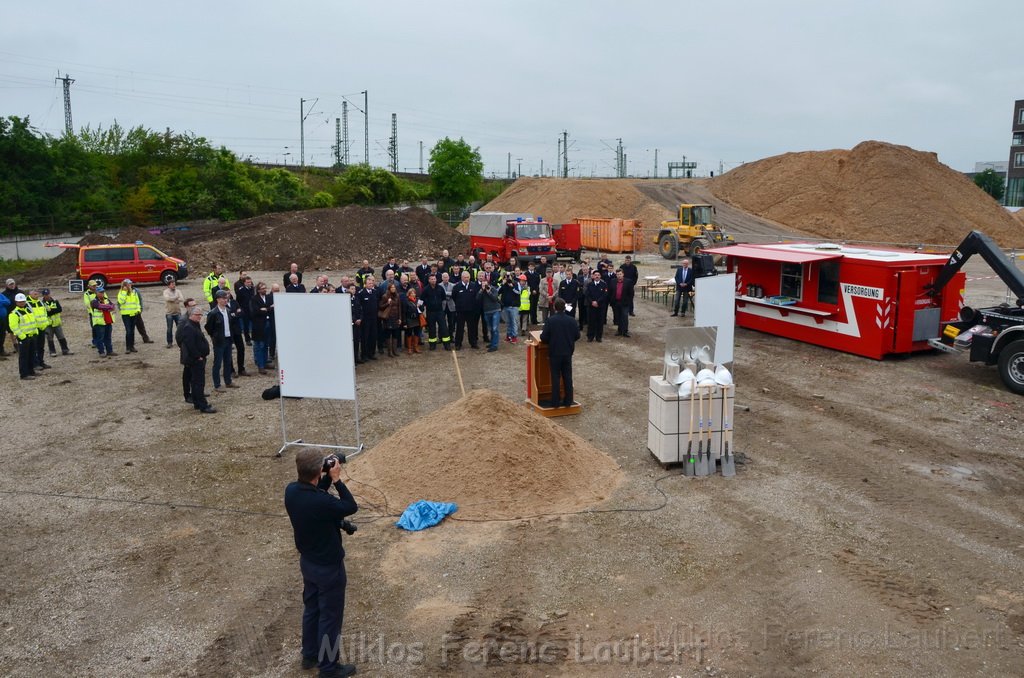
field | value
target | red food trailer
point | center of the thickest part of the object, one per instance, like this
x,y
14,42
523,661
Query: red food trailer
x,y
863,300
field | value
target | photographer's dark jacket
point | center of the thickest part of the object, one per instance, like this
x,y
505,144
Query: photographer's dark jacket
x,y
489,299
316,517
509,294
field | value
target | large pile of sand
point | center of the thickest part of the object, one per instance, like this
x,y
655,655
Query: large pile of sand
x,y
560,201
876,192
492,457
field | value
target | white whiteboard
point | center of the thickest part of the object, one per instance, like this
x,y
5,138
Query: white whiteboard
x,y
716,307
314,345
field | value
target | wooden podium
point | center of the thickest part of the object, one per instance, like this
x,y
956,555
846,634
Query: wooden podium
x,y
538,380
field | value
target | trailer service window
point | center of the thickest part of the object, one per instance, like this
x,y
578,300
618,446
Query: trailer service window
x,y
828,282
792,281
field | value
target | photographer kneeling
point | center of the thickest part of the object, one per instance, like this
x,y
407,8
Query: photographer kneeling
x,y
317,516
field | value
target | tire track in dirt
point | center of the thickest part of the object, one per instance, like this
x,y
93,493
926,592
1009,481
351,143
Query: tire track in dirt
x,y
881,475
916,601
779,602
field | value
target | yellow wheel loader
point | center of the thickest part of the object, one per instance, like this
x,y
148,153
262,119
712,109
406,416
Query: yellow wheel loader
x,y
693,230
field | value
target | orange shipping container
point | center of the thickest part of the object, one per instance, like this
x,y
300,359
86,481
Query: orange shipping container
x,y
606,234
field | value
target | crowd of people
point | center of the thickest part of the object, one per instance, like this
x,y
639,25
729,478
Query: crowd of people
x,y
449,302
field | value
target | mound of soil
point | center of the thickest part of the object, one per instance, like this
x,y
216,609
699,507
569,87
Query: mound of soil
x,y
876,192
526,466
561,201
321,239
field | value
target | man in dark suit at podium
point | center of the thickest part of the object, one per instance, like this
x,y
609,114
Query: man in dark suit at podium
x,y
560,333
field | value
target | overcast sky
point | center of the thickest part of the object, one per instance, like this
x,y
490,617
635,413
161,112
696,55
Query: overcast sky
x,y
713,82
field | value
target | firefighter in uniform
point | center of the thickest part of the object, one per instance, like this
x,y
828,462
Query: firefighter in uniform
x,y
367,299
434,298
56,329
35,303
22,322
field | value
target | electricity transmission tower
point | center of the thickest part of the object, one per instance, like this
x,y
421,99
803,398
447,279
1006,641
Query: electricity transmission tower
x,y
302,128
393,143
69,129
344,134
337,141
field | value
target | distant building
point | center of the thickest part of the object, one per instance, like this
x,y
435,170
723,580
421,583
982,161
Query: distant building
x,y
998,166
1015,170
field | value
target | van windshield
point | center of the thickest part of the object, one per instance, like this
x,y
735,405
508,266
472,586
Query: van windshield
x,y
532,231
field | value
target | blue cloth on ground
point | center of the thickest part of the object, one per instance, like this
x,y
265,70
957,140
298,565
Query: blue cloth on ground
x,y
423,514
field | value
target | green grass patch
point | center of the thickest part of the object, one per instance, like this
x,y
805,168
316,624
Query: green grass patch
x,y
12,267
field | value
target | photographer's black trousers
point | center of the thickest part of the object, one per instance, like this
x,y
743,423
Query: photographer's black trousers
x,y
323,597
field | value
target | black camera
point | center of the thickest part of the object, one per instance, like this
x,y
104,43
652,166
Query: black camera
x,y
349,527
330,461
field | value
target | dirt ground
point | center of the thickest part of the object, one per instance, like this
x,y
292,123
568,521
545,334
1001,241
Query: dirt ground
x,y
876,528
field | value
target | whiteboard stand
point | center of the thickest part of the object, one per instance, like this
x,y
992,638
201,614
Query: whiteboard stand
x,y
316,358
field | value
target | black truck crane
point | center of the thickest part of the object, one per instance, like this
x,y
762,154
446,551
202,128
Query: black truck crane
x,y
993,335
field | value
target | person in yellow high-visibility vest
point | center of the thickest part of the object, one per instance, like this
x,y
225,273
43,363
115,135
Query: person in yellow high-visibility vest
x,y
38,308
131,306
210,284
524,304
22,323
87,297
103,322
56,328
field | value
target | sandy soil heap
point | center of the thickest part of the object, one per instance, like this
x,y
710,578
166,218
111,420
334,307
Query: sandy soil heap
x,y
560,201
322,239
524,465
876,192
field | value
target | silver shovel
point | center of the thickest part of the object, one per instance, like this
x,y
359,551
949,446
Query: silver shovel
x,y
701,468
728,457
689,466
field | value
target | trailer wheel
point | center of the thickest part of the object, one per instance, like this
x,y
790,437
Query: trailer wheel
x,y
698,246
668,245
1011,366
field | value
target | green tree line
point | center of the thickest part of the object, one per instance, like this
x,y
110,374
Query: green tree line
x,y
115,176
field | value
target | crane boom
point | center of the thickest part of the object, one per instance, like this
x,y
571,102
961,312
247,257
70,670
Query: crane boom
x,y
977,242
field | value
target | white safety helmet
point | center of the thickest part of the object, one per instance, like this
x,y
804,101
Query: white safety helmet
x,y
705,378
686,382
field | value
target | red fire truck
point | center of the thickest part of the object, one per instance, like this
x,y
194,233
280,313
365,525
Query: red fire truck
x,y
504,235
